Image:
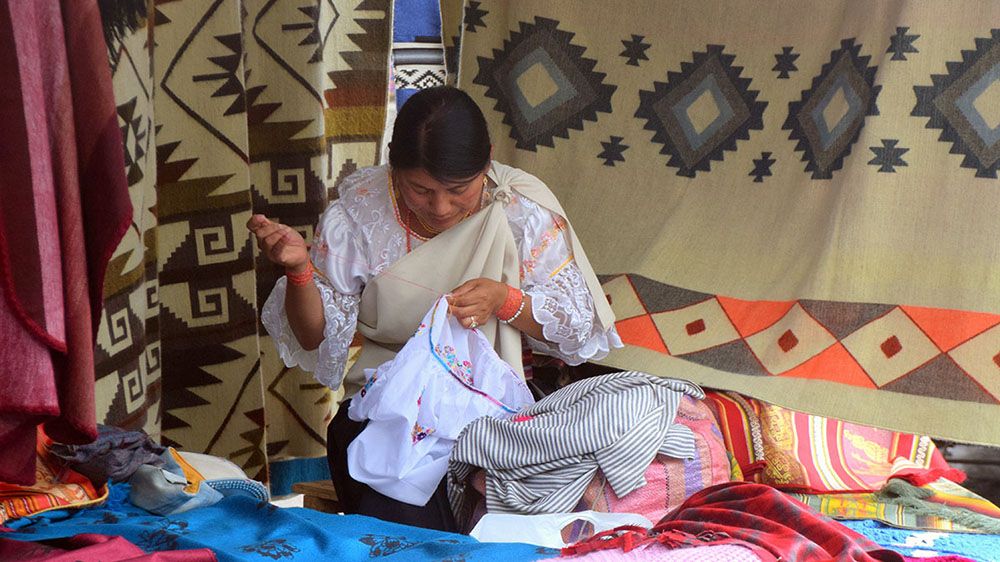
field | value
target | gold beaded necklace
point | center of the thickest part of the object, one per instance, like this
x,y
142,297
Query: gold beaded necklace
x,y
429,228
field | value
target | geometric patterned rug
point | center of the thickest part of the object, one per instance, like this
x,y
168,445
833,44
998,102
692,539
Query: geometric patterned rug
x,y
229,108
904,349
793,201
128,384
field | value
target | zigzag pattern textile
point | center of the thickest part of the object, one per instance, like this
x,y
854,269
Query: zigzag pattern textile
x,y
418,54
229,108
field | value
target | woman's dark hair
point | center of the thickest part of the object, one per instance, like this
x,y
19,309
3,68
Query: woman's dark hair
x,y
444,132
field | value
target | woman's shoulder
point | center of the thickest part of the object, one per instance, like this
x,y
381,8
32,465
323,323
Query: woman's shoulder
x,y
527,186
364,194
528,219
502,169
533,214
529,195
361,181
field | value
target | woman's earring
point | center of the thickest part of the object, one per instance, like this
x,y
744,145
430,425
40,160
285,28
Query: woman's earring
x,y
484,196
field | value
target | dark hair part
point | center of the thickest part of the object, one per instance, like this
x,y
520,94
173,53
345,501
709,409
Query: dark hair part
x,y
443,131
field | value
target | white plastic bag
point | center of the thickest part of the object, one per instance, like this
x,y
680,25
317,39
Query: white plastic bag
x,y
546,530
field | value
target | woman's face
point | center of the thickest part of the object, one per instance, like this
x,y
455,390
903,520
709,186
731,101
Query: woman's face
x,y
440,205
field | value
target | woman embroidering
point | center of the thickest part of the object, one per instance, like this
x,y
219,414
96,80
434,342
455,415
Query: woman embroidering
x,y
441,218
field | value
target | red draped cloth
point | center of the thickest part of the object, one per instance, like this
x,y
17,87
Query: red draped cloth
x,y
769,519
64,206
770,523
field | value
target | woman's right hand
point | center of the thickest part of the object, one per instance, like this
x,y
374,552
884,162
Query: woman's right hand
x,y
281,244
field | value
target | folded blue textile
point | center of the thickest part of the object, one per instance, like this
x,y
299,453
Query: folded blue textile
x,y
161,491
923,544
239,528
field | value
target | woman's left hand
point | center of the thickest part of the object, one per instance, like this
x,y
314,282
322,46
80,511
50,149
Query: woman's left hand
x,y
476,300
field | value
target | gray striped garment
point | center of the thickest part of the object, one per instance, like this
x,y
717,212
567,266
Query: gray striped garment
x,y
616,422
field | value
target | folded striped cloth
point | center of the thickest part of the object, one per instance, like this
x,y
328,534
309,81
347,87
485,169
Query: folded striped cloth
x,y
542,460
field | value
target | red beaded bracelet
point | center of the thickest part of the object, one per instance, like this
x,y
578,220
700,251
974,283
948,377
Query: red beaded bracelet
x,y
512,305
301,279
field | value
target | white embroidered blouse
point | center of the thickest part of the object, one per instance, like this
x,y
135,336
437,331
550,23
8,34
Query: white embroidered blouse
x,y
360,235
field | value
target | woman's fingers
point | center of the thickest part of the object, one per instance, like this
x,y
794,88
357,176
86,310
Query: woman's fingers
x,y
268,233
471,298
464,288
459,296
276,253
283,233
259,221
472,302
467,319
280,243
266,230
459,300
473,288
267,242
256,221
465,314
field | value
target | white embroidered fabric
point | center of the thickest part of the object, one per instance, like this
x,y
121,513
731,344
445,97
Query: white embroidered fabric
x,y
359,236
418,403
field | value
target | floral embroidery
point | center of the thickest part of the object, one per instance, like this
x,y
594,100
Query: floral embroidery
x,y
368,384
548,237
462,370
383,545
420,433
108,518
420,329
164,538
274,549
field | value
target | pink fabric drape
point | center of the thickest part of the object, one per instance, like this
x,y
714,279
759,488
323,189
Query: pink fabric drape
x,y
63,210
95,548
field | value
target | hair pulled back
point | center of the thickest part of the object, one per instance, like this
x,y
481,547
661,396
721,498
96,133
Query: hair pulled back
x,y
442,131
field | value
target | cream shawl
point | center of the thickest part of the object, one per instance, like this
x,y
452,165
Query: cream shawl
x,y
393,303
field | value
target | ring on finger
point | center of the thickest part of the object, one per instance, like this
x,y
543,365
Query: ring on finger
x,y
474,324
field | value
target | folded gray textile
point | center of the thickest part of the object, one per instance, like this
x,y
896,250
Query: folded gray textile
x,y
165,490
115,454
542,460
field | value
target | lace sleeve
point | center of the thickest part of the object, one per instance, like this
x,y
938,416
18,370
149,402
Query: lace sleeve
x,y
327,362
341,273
565,309
560,299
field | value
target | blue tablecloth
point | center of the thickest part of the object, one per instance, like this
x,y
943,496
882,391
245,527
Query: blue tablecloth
x,y
239,528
